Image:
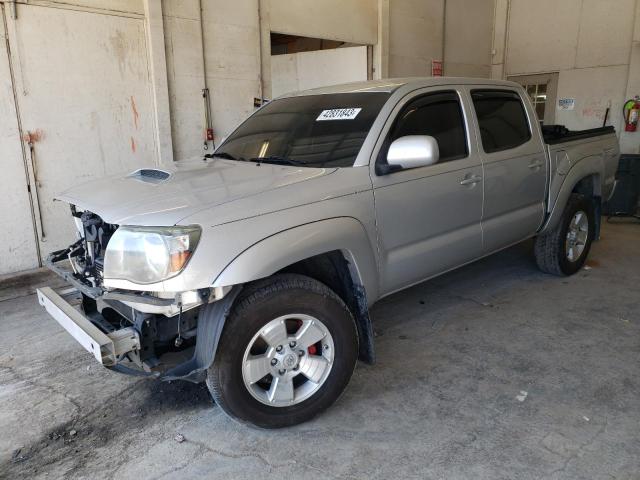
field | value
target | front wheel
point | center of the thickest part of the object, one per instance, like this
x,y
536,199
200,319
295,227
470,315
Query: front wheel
x,y
564,250
287,352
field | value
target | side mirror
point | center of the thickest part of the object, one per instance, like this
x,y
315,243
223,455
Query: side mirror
x,y
413,151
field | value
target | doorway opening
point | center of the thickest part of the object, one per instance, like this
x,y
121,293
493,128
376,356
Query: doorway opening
x,y
300,63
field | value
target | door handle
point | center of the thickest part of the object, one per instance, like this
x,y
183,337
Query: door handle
x,y
473,179
536,164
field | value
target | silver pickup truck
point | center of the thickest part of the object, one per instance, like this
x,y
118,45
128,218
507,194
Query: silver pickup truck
x,y
254,268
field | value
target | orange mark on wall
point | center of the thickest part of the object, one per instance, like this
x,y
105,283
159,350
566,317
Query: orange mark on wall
x,y
133,145
33,136
134,110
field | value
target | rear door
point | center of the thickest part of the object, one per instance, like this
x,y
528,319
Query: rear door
x,y
515,168
428,218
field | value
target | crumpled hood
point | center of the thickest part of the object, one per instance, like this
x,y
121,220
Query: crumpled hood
x,y
190,186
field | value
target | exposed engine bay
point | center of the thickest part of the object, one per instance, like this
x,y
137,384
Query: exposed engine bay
x,y
87,254
165,340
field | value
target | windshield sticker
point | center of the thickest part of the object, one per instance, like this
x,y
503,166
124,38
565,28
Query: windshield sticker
x,y
339,114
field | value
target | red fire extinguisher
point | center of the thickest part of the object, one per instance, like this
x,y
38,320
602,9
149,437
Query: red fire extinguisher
x,y
631,112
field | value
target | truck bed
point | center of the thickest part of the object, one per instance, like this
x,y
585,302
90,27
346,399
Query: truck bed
x,y
570,150
554,134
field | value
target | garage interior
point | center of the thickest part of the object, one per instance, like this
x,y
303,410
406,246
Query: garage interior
x,y
495,370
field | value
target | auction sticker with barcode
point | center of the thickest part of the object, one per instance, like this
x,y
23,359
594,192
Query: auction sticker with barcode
x,y
339,114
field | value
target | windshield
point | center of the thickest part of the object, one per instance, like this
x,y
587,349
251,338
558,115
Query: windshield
x,y
314,131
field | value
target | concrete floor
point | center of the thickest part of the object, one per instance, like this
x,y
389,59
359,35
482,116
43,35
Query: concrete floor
x,y
493,371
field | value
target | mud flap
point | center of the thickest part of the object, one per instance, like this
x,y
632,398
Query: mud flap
x,y
366,351
210,325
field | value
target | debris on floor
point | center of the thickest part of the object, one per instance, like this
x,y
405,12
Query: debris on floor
x,y
522,397
179,438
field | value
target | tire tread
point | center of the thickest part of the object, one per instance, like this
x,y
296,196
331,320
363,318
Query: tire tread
x,y
549,248
256,292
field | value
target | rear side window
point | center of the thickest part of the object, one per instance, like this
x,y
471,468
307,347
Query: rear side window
x,y
438,115
501,118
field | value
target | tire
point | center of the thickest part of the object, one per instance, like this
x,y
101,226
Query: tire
x,y
552,250
297,302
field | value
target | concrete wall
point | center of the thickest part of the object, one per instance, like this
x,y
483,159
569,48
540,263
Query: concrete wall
x,y
456,31
467,38
352,21
416,30
232,61
237,61
589,42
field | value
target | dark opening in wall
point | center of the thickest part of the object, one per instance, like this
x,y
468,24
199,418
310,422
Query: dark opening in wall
x,y
282,43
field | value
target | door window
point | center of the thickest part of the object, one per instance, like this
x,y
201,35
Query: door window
x,y
438,115
502,119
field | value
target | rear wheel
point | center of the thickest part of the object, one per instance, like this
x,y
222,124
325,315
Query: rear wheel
x,y
564,250
287,352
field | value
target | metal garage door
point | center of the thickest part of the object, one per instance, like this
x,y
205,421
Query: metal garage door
x,y
17,237
81,80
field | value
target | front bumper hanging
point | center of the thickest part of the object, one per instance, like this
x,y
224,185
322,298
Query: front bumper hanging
x,y
107,348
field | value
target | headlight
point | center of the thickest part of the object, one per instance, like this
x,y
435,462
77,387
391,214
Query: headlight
x,y
149,254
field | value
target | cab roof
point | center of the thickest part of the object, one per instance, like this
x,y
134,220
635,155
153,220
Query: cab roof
x,y
390,85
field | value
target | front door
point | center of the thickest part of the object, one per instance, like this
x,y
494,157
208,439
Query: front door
x,y
429,217
515,168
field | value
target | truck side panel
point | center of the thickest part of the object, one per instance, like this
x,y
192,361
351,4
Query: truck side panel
x,y
573,161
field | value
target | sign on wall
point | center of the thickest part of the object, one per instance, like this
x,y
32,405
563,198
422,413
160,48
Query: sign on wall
x,y
566,103
436,68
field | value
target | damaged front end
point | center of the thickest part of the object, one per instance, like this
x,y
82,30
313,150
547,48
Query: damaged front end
x,y
151,333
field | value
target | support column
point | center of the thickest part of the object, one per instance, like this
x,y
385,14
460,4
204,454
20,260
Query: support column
x,y
630,141
500,39
159,85
264,30
381,49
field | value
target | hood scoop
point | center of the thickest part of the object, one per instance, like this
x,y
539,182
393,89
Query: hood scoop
x,y
150,175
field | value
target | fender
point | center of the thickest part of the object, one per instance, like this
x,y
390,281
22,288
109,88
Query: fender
x,y
286,247
592,165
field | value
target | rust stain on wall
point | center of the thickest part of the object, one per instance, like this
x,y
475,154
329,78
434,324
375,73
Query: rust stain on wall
x,y
134,110
33,136
133,145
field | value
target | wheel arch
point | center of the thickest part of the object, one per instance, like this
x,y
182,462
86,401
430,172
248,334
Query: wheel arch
x,y
586,179
336,252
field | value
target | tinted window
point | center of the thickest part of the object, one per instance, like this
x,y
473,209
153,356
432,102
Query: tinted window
x,y
315,130
438,115
502,119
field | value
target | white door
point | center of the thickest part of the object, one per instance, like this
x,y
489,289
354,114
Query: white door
x,y
83,88
17,236
300,71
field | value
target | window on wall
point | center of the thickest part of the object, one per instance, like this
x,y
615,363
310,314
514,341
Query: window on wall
x,y
538,95
542,90
438,115
502,119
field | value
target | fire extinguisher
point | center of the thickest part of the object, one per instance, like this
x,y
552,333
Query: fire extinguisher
x,y
631,111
